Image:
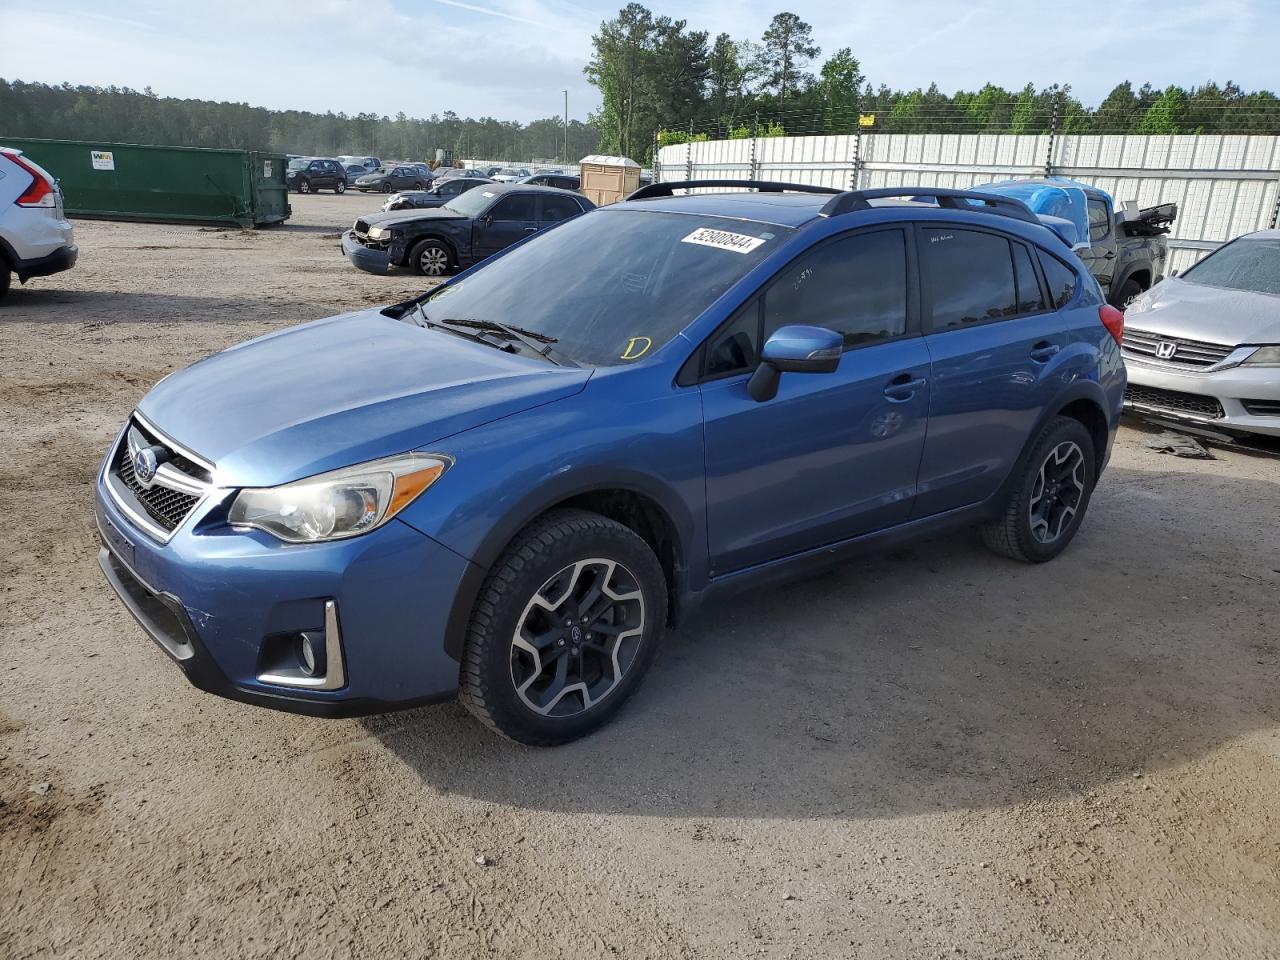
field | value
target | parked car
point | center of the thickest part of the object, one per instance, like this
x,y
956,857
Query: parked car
x,y
309,174
469,227
370,163
355,171
36,239
1203,347
425,169
510,174
509,487
490,171
389,179
1126,251
448,173
440,193
561,180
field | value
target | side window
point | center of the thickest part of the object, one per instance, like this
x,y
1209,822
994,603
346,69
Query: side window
x,y
969,276
1060,278
556,208
316,165
451,188
518,207
1099,222
735,347
1030,297
856,286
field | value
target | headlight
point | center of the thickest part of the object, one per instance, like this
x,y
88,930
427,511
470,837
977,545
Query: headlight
x,y
344,503
1265,357
379,233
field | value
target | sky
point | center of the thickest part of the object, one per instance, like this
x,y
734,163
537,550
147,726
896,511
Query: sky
x,y
512,59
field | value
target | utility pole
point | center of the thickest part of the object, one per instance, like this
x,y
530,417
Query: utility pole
x,y
566,126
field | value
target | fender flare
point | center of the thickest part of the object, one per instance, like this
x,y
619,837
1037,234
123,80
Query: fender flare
x,y
556,491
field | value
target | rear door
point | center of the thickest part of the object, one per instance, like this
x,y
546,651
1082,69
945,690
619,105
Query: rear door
x,y
995,343
553,209
510,219
832,455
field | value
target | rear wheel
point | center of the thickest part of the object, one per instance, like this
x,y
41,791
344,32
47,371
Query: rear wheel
x,y
431,258
1048,502
1129,291
340,187
4,278
564,629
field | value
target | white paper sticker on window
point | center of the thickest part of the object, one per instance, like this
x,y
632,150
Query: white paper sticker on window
x,y
723,240
266,169
102,159
489,193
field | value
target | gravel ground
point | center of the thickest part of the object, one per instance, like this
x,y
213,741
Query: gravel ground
x,y
930,753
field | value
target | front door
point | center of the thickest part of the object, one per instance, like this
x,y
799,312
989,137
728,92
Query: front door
x,y
833,455
510,219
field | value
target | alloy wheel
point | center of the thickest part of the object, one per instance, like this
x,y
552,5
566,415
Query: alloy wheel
x,y
576,638
1058,492
434,261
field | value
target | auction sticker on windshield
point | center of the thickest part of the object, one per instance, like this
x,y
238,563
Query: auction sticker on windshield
x,y
723,240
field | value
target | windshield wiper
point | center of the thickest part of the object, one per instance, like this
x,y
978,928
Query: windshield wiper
x,y
539,343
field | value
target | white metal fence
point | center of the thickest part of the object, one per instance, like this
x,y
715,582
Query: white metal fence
x,y
1224,185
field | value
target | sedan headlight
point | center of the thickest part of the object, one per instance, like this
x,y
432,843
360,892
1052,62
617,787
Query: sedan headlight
x,y
379,233
1265,357
344,503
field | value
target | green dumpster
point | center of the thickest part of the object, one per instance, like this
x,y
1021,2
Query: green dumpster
x,y
125,181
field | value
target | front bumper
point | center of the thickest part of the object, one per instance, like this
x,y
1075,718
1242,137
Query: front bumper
x,y
1244,394
64,258
218,600
368,259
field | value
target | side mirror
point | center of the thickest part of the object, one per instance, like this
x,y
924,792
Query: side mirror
x,y
794,349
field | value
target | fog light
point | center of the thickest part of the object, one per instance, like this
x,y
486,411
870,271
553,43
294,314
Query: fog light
x,y
310,654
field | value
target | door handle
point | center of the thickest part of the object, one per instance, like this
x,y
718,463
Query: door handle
x,y
1043,351
903,387
530,229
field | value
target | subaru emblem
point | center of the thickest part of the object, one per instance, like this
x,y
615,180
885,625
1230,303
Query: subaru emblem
x,y
145,465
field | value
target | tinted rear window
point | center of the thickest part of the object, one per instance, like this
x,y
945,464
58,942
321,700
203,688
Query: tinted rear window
x,y
1060,278
969,276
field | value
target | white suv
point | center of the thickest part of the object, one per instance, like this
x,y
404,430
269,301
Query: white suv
x,y
35,237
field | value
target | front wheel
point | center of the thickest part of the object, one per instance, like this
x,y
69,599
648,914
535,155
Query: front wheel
x,y
304,186
340,187
4,278
1051,494
564,629
431,258
387,188
1129,291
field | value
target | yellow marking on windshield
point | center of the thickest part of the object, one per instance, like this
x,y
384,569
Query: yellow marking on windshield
x,y
634,349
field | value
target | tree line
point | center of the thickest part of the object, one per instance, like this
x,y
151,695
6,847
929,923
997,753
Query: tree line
x,y
661,80
122,115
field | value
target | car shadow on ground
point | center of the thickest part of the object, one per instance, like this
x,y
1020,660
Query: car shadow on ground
x,y
937,677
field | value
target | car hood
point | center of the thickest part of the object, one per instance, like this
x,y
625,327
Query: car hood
x,y
342,391
389,217
1193,311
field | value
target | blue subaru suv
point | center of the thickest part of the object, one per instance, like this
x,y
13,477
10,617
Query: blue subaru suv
x,y
511,486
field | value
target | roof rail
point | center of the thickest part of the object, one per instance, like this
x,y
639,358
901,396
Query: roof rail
x,y
853,200
668,187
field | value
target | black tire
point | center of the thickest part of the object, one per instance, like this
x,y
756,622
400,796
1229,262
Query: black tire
x,y
1050,495
304,186
386,187
538,561
431,258
5,278
340,187
417,185
1126,294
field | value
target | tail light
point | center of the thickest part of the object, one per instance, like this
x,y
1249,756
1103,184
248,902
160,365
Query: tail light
x,y
1113,320
41,191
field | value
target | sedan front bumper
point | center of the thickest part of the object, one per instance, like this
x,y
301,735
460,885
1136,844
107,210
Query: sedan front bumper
x,y
368,259
1240,399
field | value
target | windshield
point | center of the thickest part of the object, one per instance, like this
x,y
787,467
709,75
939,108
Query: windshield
x,y
470,202
614,285
1246,264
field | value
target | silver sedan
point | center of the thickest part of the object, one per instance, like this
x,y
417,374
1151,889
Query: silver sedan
x,y
1203,348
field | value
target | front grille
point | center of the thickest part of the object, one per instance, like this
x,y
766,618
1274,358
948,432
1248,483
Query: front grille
x,y
165,506
1191,404
1262,408
1144,345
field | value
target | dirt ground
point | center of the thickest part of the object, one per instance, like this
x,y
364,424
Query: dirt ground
x,y
932,753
